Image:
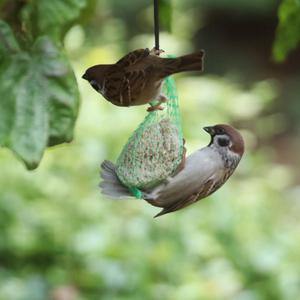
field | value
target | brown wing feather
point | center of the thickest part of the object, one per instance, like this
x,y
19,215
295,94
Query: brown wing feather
x,y
126,86
133,57
126,79
207,189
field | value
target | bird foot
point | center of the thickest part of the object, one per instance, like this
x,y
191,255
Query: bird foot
x,y
154,107
156,52
162,99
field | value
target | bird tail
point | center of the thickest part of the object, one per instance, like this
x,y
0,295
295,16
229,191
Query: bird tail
x,y
111,186
189,62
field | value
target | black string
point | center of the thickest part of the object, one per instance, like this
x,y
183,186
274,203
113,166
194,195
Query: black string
x,y
156,24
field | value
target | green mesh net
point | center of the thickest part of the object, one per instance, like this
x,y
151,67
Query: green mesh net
x,y
155,149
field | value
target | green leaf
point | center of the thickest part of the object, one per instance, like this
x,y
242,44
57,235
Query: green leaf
x,y
39,97
52,18
8,42
288,31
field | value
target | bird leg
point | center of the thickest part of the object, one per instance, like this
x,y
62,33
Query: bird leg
x,y
155,107
161,99
156,52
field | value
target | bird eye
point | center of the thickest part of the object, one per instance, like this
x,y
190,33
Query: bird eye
x,y
223,142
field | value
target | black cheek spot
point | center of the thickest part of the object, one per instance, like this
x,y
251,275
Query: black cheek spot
x,y
223,142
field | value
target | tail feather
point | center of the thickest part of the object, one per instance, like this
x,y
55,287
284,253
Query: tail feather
x,y
111,186
189,62
192,62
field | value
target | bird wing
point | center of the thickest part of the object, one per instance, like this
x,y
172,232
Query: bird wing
x,y
199,178
128,78
124,87
206,189
133,57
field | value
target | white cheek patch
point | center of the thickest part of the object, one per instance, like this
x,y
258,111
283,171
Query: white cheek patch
x,y
103,89
95,85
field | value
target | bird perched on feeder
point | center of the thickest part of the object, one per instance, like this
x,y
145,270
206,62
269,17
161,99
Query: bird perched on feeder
x,y
136,79
205,171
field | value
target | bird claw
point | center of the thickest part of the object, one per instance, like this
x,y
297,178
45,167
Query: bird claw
x,y
155,51
163,99
154,108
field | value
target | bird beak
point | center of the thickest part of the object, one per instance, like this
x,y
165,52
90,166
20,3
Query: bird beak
x,y
209,129
84,76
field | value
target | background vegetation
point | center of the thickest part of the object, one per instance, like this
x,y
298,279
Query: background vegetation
x,y
60,239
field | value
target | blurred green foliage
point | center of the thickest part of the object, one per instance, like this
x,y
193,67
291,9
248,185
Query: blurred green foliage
x,y
40,98
60,239
288,32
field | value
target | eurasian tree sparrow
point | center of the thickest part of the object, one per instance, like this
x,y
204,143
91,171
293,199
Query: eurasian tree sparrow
x,y
205,171
136,79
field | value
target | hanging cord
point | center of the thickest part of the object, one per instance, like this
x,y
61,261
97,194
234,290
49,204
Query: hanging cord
x,y
156,24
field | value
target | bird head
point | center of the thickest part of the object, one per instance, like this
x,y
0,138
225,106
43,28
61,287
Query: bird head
x,y
225,138
96,77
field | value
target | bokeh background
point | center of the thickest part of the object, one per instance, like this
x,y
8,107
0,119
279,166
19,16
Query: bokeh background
x,y
61,239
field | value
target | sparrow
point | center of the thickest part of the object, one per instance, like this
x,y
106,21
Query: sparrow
x,y
204,172
136,79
